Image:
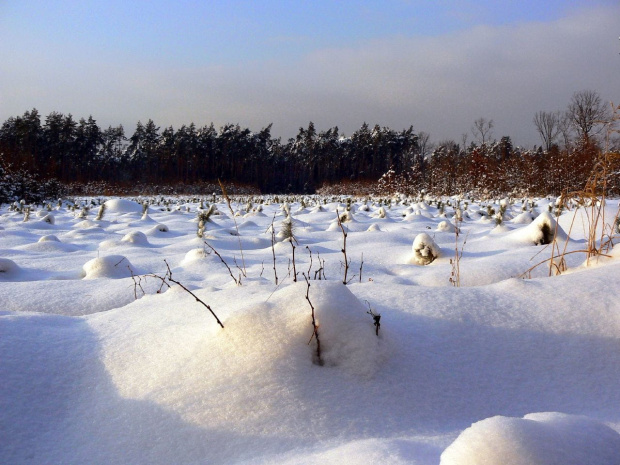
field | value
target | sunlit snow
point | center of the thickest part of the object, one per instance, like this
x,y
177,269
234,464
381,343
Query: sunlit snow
x,y
101,362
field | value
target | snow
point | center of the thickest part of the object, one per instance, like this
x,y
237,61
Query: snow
x,y
99,366
540,438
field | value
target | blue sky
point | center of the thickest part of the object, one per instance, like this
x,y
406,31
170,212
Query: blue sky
x,y
436,65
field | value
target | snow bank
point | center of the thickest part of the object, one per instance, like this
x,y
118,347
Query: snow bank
x,y
538,438
111,266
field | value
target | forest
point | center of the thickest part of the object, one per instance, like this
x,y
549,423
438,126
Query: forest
x,y
59,154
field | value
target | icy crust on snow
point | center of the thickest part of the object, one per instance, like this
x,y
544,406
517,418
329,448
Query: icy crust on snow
x,y
537,438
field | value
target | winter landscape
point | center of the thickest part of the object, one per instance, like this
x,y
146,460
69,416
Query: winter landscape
x,y
350,233
488,351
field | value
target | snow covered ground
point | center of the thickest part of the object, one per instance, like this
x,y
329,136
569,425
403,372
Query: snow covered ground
x,y
501,370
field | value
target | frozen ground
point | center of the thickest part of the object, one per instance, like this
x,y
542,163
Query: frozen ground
x,y
500,370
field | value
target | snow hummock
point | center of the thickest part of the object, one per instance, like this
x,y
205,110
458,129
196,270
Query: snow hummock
x,y
8,268
122,206
537,438
110,266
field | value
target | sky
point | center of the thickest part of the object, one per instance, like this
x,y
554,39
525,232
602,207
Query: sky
x,y
434,65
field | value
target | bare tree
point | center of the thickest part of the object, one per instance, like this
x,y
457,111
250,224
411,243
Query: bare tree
x,y
565,126
482,130
424,144
464,143
586,112
548,126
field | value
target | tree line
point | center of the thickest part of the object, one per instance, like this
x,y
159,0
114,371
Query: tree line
x,y
60,148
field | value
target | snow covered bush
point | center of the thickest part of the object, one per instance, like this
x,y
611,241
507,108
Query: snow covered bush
x,y
425,250
543,230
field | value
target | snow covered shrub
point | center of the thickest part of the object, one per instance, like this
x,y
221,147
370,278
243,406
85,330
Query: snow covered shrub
x,y
543,229
425,250
101,212
203,217
286,232
346,216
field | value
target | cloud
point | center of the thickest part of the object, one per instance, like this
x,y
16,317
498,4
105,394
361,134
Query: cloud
x,y
437,84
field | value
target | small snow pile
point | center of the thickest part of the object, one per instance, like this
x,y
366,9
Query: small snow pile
x,y
123,206
157,230
537,438
111,266
8,269
283,328
425,250
346,331
197,255
523,218
543,230
48,238
87,224
446,226
49,219
136,238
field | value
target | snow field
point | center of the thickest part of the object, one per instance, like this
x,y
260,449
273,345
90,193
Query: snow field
x,y
91,375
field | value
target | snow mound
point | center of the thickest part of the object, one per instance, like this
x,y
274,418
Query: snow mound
x,y
122,206
425,250
541,231
158,230
538,438
523,218
49,219
346,331
8,269
49,238
197,255
111,266
87,224
374,227
136,238
446,226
